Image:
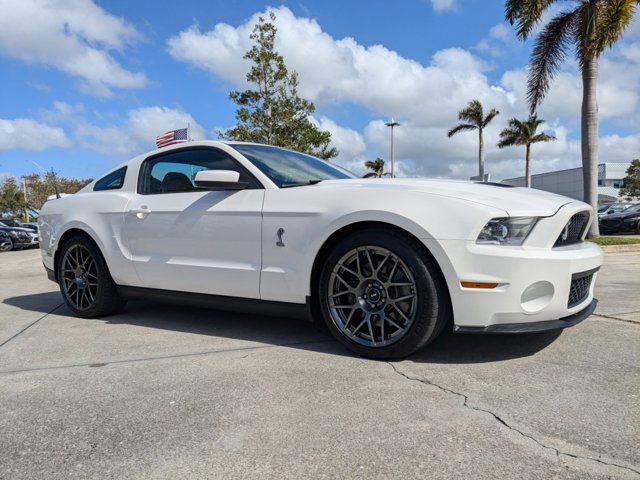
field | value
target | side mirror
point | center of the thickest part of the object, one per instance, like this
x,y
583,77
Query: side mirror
x,y
219,180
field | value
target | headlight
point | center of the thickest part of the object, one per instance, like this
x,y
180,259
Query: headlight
x,y
506,231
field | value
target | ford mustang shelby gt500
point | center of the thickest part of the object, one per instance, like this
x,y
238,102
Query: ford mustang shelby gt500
x,y
385,263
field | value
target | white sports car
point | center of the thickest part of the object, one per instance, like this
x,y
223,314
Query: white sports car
x,y
387,264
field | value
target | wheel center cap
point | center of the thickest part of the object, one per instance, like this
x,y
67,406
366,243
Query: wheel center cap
x,y
374,294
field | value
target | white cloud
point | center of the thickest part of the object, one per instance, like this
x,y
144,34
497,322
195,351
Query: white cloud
x,y
444,5
138,131
341,70
350,144
425,97
74,36
28,134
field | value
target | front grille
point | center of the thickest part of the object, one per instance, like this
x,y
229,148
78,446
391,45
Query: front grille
x,y
573,230
580,287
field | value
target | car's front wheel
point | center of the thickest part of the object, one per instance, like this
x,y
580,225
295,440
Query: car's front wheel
x,y
85,281
382,295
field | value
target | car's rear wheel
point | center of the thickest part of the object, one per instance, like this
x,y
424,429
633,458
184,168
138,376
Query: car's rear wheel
x,y
6,245
85,281
382,295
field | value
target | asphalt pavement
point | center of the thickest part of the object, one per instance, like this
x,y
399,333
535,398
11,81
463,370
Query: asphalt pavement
x,y
166,392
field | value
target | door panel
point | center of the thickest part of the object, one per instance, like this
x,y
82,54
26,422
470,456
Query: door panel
x,y
203,242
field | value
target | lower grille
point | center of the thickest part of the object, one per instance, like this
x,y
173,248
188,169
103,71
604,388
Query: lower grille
x,y
580,287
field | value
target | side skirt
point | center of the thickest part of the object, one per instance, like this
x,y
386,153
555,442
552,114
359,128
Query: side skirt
x,y
218,302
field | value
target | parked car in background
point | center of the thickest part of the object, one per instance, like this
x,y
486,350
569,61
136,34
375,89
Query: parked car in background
x,y
387,264
5,242
9,222
20,237
627,221
610,208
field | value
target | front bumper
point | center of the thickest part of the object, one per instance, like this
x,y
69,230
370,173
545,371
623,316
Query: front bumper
x,y
533,285
533,327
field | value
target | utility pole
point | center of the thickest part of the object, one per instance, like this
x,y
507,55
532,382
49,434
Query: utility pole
x,y
392,124
24,193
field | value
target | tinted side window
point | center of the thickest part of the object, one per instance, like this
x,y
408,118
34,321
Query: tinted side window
x,y
176,171
113,181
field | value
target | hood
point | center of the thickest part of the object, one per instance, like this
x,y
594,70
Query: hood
x,y
517,201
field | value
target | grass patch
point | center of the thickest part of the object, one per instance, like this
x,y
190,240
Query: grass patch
x,y
614,240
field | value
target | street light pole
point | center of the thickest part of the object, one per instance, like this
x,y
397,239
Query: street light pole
x,y
392,124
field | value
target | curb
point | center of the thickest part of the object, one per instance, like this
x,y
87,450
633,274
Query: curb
x,y
634,248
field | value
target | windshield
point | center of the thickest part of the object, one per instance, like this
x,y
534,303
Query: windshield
x,y
288,168
603,208
633,208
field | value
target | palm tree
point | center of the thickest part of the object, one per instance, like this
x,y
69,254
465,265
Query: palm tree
x,y
377,166
523,132
474,119
589,25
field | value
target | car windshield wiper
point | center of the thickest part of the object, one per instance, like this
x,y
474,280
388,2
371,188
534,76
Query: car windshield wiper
x,y
302,184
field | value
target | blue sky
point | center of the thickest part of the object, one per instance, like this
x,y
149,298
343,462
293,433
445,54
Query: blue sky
x,y
89,85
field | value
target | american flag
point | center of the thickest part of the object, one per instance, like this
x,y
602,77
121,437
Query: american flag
x,y
174,136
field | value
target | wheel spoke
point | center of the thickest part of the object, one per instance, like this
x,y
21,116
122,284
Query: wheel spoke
x,y
358,263
349,317
355,274
344,292
402,314
401,299
393,269
364,320
353,305
373,269
381,264
373,339
343,281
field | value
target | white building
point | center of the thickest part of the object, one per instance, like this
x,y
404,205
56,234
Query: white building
x,y
569,182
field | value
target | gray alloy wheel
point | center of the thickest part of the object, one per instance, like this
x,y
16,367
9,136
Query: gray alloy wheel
x,y
381,294
79,277
372,296
85,281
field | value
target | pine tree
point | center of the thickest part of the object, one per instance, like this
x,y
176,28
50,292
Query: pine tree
x,y
274,113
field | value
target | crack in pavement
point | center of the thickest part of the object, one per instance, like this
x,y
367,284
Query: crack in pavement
x,y
503,422
610,317
30,325
166,357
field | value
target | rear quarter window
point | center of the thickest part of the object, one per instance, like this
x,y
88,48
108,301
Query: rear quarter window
x,y
113,181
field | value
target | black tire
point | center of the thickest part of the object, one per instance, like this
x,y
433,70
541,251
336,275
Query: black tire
x,y
431,311
103,299
7,247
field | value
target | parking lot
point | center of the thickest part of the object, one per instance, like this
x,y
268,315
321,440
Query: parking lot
x,y
172,392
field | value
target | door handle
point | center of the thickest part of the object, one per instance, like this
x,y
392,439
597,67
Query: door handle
x,y
140,212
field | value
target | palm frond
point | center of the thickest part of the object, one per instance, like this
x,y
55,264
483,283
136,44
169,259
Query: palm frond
x,y
525,14
472,113
508,138
542,137
549,50
461,128
370,175
612,20
493,113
